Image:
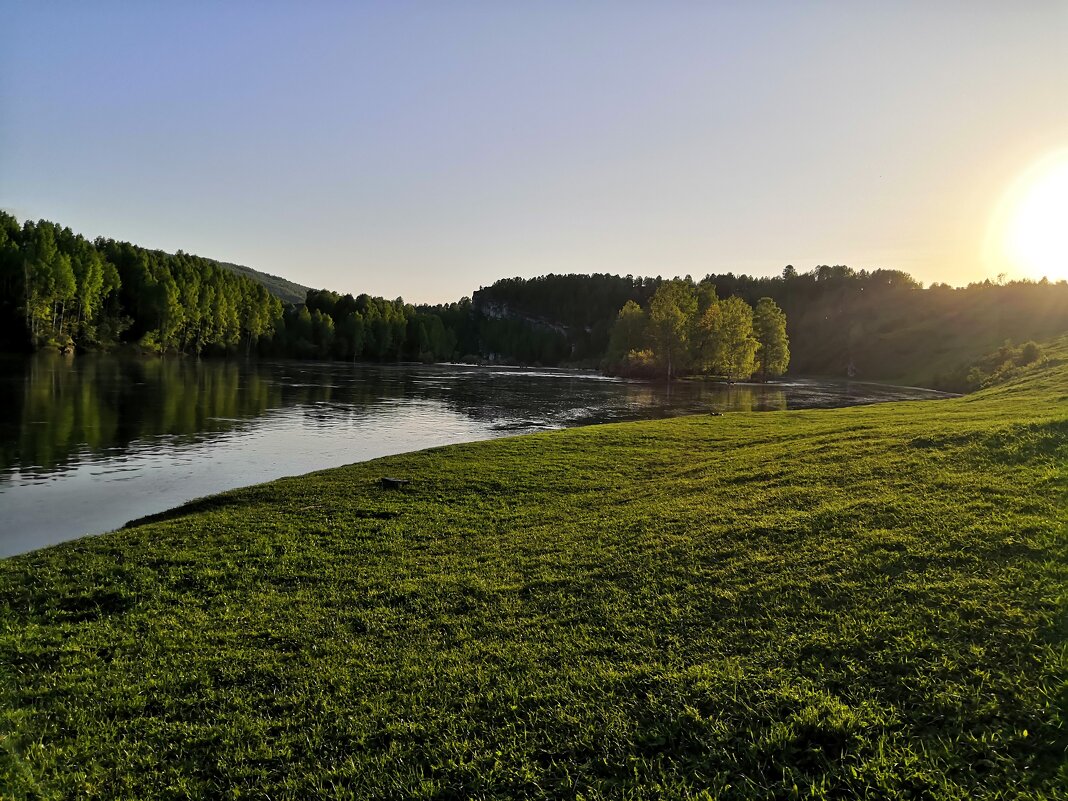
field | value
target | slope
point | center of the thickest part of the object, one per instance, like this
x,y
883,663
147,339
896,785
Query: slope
x,y
864,602
285,290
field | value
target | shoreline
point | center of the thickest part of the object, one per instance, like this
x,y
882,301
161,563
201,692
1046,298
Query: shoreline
x,y
120,439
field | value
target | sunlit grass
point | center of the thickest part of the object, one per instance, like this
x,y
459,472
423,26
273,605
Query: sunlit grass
x,y
864,602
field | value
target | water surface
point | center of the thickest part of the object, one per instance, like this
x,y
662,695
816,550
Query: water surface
x,y
89,443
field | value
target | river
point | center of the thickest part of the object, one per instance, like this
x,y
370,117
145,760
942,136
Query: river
x,y
88,443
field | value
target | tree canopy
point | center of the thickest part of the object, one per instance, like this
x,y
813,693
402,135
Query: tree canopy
x,y
687,328
773,345
58,289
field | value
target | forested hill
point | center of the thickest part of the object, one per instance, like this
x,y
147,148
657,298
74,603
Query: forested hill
x,y
882,322
283,289
61,290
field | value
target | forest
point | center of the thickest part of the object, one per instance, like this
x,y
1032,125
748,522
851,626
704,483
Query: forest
x,y
872,324
688,329
59,290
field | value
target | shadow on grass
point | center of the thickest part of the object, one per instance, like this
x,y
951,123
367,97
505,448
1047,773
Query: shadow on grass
x,y
211,504
215,503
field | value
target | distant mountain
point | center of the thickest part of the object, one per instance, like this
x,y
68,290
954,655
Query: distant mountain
x,y
286,291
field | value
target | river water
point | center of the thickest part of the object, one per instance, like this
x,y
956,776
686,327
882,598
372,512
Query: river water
x,y
89,443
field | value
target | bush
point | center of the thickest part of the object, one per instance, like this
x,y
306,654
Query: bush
x,y
1003,364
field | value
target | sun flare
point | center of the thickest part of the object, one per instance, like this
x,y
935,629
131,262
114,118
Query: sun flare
x,y
1033,221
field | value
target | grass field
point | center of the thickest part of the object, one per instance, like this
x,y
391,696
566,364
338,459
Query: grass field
x,y
855,603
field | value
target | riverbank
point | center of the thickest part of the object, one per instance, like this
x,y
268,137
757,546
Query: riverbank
x,y
120,438
853,602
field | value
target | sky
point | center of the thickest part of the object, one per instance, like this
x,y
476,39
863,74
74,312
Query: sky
x,y
426,149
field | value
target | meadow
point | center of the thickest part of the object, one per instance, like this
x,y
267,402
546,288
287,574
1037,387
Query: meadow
x,y
853,603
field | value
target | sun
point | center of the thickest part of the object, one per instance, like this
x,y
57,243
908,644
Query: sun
x,y
1033,221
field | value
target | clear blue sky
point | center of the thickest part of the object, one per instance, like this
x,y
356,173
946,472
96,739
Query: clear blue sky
x,y
424,149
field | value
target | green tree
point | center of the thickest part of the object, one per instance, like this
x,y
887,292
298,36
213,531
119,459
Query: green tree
x,y
670,311
65,289
769,327
88,266
322,333
737,350
705,335
39,249
170,310
629,333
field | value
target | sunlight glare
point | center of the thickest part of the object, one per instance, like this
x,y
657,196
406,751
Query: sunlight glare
x,y
1034,233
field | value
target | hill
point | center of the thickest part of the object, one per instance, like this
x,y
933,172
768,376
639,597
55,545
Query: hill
x,y
864,602
285,290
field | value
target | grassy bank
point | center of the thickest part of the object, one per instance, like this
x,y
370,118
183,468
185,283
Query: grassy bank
x,y
865,602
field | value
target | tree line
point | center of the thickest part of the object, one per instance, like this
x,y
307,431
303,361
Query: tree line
x,y
875,324
687,328
332,326
60,290
555,318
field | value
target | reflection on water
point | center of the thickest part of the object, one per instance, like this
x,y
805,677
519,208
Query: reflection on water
x,y
87,444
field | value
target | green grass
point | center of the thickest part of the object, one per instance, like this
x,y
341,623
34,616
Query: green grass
x,y
854,603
